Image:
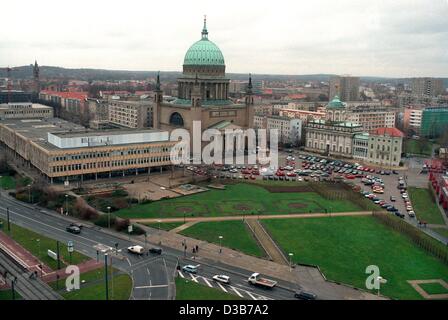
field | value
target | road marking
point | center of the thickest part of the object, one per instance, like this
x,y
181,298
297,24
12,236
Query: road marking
x,y
195,279
251,295
221,286
150,286
236,291
208,283
180,273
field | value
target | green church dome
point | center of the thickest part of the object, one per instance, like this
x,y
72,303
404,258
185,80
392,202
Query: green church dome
x,y
336,103
204,52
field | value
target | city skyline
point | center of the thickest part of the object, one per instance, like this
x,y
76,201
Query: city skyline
x,y
384,38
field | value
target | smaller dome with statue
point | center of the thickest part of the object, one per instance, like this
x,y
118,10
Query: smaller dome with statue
x,y
336,103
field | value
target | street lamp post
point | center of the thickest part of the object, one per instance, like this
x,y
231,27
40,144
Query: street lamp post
x,y
108,217
29,193
290,261
220,244
106,279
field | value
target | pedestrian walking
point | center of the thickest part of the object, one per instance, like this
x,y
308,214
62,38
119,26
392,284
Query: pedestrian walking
x,y
197,248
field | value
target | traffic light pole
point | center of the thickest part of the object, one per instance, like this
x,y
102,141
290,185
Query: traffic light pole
x,y
57,252
7,218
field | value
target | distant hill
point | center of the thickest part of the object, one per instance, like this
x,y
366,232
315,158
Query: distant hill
x,y
24,72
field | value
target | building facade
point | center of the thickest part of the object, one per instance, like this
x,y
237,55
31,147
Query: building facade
x,y
346,87
331,138
385,147
63,151
427,86
434,122
24,110
130,114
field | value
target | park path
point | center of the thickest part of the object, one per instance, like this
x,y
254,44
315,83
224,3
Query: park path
x,y
183,227
256,217
271,248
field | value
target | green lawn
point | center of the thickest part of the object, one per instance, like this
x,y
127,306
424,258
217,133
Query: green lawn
x,y
422,147
7,295
344,246
94,286
434,288
167,226
236,235
189,290
424,205
238,199
28,239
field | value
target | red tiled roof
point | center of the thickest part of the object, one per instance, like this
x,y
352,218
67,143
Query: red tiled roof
x,y
393,132
69,95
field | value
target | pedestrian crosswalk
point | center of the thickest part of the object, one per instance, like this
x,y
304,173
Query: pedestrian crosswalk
x,y
242,293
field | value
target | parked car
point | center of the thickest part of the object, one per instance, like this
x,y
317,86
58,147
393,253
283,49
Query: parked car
x,y
392,198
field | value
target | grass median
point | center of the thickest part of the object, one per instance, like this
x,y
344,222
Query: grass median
x,y
93,286
38,245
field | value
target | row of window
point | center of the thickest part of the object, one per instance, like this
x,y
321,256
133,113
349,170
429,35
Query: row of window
x,y
104,154
110,164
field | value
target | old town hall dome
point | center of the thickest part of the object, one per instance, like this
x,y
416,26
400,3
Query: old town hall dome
x,y
204,52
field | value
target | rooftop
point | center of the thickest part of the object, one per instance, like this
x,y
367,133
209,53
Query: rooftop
x,y
393,132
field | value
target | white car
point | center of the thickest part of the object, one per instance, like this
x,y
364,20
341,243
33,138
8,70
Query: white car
x,y
411,214
222,278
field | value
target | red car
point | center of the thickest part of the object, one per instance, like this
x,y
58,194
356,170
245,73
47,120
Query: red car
x,y
256,173
291,174
350,176
280,174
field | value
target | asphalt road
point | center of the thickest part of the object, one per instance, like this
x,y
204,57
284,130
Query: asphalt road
x,y
151,274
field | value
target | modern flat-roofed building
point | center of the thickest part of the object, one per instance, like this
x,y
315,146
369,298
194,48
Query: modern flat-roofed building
x,y
63,151
23,110
434,122
427,86
346,87
130,114
371,117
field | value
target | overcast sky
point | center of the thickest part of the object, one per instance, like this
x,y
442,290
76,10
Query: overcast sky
x,y
398,38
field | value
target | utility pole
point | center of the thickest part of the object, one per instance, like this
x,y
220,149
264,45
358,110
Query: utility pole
x,y
13,291
107,280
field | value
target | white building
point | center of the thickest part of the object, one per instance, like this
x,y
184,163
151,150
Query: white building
x,y
385,147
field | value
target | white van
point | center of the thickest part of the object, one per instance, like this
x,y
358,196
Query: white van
x,y
136,249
